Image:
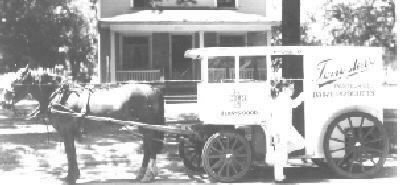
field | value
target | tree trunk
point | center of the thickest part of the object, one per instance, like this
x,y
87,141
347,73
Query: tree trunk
x,y
290,22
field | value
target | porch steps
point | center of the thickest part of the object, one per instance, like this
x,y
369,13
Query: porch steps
x,y
177,92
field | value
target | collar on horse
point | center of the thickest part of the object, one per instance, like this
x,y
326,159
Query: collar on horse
x,y
65,92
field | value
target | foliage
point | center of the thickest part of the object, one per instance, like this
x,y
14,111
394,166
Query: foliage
x,y
44,33
367,23
354,23
28,34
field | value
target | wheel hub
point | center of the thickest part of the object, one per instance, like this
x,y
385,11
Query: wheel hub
x,y
229,157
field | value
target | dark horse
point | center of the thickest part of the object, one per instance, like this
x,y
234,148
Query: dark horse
x,y
129,102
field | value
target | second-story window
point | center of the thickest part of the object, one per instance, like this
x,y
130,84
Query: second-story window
x,y
226,3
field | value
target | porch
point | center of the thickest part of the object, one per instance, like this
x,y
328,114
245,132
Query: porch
x,y
150,46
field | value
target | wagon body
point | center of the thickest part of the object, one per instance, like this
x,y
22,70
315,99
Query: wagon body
x,y
237,89
335,80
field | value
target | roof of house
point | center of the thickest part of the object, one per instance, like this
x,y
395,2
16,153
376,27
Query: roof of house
x,y
186,16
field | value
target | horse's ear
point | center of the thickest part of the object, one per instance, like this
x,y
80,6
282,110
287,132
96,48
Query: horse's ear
x,y
26,69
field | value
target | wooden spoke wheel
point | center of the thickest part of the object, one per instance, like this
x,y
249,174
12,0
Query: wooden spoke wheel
x,y
356,145
190,152
226,156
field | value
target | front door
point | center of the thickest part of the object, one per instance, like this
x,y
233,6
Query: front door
x,y
181,68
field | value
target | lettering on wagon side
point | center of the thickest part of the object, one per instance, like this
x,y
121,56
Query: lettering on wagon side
x,y
328,71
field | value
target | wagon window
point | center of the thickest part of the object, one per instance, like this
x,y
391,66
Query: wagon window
x,y
252,68
221,69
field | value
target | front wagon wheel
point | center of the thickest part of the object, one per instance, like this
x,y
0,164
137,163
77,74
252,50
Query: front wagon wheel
x,y
226,156
356,145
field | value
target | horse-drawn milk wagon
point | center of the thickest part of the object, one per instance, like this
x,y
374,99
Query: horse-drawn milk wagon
x,y
242,115
256,105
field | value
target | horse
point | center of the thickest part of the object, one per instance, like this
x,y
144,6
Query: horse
x,y
128,102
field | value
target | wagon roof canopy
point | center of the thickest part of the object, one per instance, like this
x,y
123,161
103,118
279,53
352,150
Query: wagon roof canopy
x,y
199,53
202,18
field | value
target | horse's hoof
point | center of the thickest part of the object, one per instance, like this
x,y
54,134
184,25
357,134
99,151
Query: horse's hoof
x,y
72,177
149,176
140,174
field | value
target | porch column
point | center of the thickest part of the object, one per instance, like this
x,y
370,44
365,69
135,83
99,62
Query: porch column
x,y
269,37
99,53
204,69
112,57
201,39
197,65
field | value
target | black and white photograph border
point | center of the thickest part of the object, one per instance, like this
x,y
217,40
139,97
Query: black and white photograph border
x,y
118,92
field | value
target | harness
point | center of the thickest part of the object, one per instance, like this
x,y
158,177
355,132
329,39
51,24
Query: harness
x,y
65,92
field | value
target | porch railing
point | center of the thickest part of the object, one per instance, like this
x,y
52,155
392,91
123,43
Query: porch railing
x,y
138,75
217,74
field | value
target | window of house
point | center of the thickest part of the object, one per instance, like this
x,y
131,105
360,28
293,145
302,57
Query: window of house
x,y
135,53
232,40
226,3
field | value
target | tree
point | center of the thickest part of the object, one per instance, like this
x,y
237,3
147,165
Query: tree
x,y
290,22
353,22
74,38
28,34
44,33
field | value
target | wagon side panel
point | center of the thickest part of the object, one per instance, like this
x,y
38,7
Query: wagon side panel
x,y
339,81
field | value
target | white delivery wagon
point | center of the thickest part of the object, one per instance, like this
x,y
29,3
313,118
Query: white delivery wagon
x,y
338,97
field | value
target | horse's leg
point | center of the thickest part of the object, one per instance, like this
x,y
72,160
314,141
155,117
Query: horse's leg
x,y
153,154
148,155
73,171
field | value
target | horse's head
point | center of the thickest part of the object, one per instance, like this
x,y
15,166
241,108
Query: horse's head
x,y
39,86
10,95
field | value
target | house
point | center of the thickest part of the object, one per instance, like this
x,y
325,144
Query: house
x,y
146,40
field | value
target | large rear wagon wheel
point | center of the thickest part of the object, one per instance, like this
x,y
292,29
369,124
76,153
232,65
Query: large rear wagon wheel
x,y
356,145
226,157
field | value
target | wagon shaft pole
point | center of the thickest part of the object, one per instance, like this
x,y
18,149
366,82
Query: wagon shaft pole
x,y
163,128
